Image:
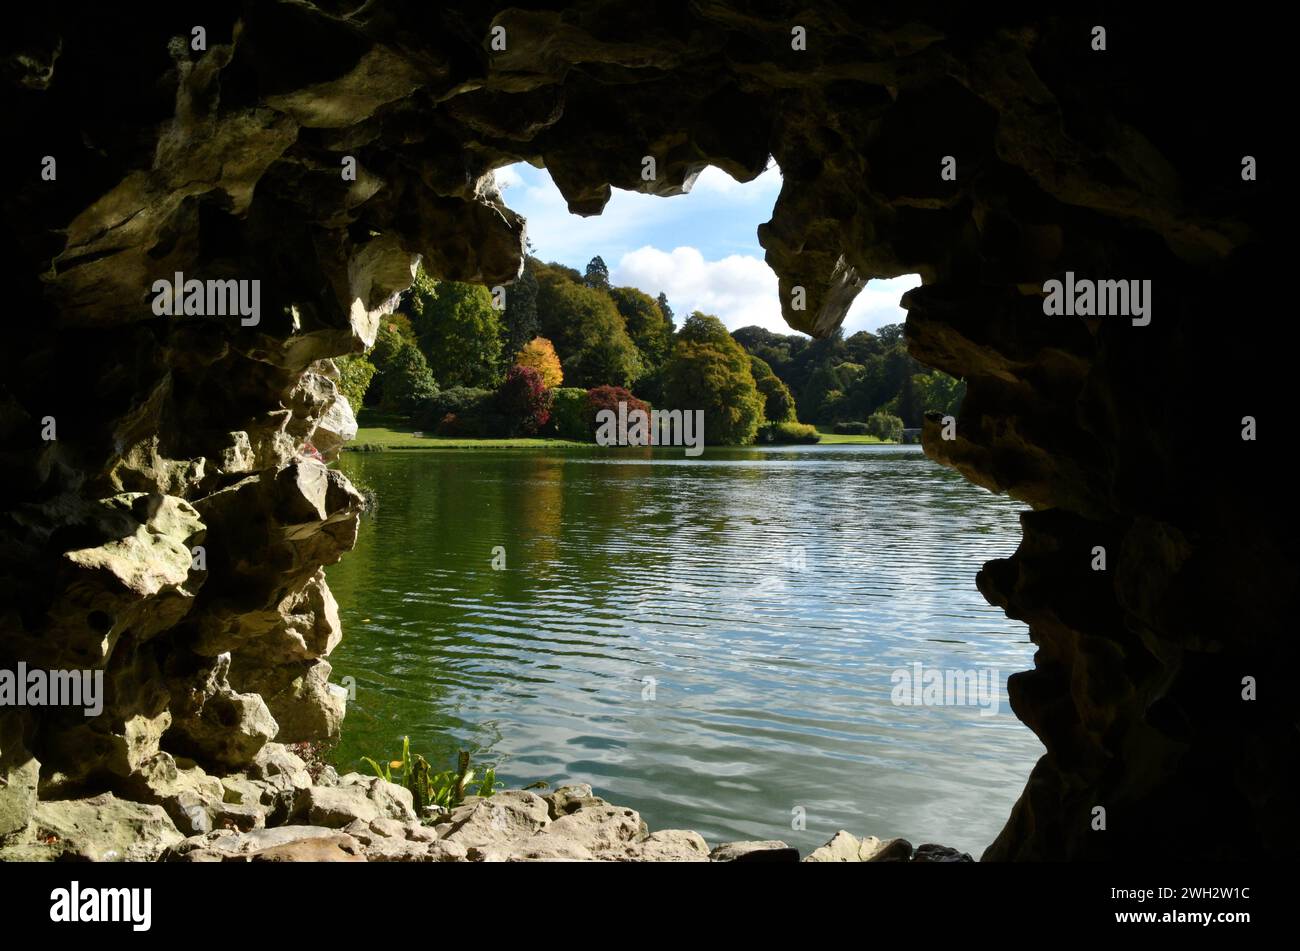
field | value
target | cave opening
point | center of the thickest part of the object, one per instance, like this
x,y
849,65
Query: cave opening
x,y
542,599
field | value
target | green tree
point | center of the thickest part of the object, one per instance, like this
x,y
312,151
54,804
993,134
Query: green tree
x,y
778,402
459,331
395,333
407,382
709,371
650,330
662,301
355,374
520,315
939,392
587,331
597,275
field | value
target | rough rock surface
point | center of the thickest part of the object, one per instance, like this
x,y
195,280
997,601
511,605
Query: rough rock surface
x,y
569,825
178,517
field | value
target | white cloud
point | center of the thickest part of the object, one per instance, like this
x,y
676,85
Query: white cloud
x,y
739,289
742,290
877,304
508,177
762,189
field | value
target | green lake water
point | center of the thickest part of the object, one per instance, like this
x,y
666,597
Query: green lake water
x,y
711,641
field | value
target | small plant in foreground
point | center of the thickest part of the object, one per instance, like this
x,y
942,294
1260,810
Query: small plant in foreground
x,y
444,790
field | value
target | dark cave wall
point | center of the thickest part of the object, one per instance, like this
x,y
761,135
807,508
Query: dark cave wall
x,y
181,432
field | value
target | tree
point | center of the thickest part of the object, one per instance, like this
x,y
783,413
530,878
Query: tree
x,y
817,400
607,398
569,417
539,354
778,402
587,331
939,392
909,403
459,331
650,330
597,275
664,309
407,382
890,334
885,426
711,372
395,332
355,374
520,316
862,345
524,400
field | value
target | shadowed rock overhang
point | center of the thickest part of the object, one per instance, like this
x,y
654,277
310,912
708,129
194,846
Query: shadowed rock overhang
x,y
226,164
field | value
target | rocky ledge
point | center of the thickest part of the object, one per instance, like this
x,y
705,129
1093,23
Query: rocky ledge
x,y
276,812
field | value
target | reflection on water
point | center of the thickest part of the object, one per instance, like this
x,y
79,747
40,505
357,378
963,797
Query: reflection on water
x,y
710,641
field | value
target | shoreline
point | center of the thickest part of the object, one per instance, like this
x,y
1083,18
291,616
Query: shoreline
x,y
383,433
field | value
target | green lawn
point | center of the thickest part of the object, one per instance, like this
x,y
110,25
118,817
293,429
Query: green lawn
x,y
377,431
830,438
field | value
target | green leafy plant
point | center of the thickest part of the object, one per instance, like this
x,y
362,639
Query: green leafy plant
x,y
446,789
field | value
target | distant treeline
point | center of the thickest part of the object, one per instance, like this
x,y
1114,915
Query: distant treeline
x,y
567,344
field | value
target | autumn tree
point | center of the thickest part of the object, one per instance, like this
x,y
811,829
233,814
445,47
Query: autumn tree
x,y
587,331
539,354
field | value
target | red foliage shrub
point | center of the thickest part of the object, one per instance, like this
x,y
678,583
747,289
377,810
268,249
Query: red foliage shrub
x,y
608,397
524,400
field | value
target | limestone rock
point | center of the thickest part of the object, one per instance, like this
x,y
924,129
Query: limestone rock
x,y
497,820
220,726
844,847
758,851
19,774
335,807
99,829
673,845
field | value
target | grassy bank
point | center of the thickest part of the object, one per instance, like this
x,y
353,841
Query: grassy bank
x,y
830,438
375,431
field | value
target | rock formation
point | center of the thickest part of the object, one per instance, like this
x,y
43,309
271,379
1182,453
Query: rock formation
x,y
164,521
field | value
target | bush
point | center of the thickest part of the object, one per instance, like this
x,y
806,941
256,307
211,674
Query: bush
x,y
569,413
608,397
852,429
524,401
787,432
885,426
473,411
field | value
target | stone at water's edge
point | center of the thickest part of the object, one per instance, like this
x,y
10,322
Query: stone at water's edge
x,y
359,818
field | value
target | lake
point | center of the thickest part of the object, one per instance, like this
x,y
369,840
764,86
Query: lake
x,y
716,642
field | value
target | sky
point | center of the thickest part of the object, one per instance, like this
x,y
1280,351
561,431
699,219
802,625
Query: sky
x,y
701,249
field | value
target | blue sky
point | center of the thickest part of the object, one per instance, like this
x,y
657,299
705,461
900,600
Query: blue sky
x,y
701,249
